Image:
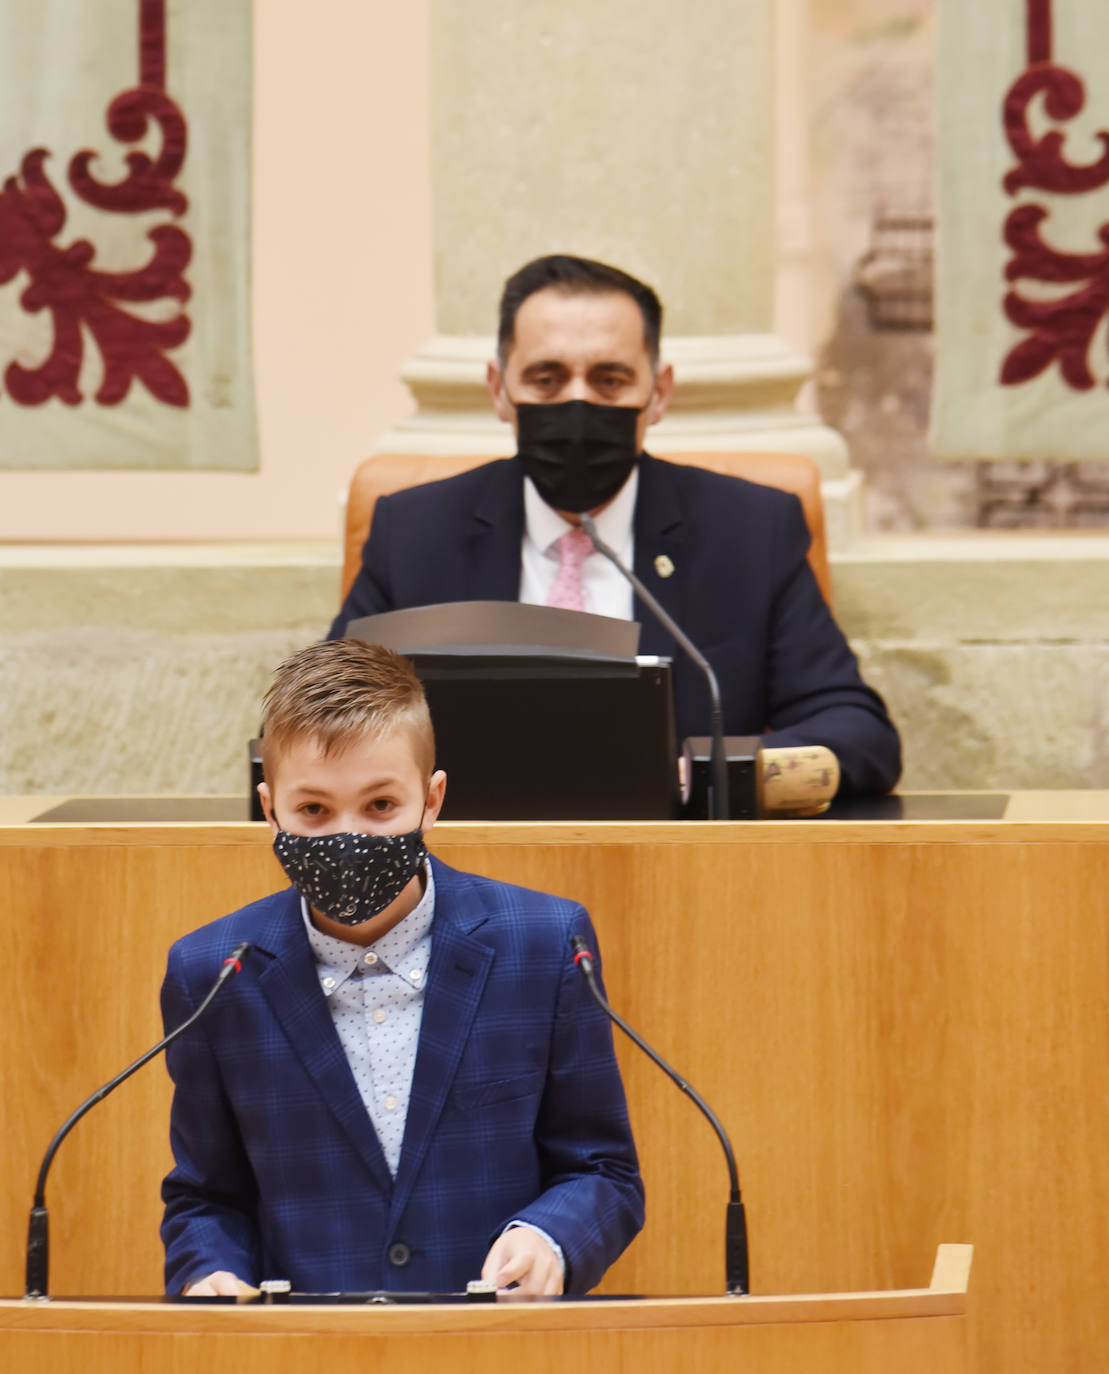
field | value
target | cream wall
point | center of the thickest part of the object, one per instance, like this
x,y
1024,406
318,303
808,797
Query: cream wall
x,y
342,289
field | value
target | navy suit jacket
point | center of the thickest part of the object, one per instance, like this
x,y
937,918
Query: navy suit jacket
x,y
742,589
516,1110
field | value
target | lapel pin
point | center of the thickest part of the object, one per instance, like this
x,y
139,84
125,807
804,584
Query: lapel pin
x,y
664,565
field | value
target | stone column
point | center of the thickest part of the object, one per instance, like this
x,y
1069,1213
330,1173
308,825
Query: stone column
x,y
640,132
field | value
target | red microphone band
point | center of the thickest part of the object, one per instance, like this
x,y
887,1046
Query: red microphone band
x,y
582,954
236,962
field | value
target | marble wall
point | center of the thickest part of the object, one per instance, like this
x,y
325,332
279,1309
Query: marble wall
x,y
141,670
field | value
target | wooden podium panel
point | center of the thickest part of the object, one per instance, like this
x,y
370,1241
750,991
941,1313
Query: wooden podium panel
x,y
904,1026
915,1332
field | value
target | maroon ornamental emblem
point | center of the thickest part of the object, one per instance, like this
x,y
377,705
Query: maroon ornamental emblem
x,y
64,279
1061,329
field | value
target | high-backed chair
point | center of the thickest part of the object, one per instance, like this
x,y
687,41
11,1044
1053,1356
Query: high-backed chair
x,y
385,473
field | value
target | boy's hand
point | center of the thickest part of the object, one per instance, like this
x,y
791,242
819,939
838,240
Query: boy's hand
x,y
221,1284
520,1256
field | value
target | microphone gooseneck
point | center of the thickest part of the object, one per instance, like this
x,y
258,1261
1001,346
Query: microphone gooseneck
x,y
38,1228
736,1265
718,801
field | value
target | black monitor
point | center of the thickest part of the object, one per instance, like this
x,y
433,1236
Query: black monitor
x,y
540,714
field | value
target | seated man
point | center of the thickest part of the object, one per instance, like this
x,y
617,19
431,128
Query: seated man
x,y
578,377
408,1085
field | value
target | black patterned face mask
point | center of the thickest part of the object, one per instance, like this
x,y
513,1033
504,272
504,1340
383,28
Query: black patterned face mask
x,y
350,878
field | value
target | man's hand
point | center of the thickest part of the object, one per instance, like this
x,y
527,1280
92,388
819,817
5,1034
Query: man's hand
x,y
520,1256
221,1284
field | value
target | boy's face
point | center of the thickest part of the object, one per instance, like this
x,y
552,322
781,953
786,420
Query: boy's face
x,y
373,786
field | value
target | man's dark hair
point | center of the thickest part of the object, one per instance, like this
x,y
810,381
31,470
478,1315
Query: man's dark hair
x,y
575,276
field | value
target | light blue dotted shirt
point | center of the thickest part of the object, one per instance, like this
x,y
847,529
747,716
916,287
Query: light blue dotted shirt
x,y
376,997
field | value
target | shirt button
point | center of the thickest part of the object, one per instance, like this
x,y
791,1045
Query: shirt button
x,y
380,1015
415,975
390,1104
329,983
399,1254
370,958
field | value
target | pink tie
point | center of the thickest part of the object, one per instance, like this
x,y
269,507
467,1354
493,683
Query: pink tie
x,y
574,548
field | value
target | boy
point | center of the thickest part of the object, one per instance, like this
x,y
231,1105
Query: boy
x,y
333,1123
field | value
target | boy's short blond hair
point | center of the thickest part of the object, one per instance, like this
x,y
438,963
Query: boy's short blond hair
x,y
340,691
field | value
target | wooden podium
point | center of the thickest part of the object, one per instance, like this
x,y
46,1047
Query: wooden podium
x,y
902,1023
911,1331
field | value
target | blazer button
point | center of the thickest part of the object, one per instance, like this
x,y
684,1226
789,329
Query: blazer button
x,y
399,1254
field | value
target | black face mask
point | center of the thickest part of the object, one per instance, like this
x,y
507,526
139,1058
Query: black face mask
x,y
350,878
578,454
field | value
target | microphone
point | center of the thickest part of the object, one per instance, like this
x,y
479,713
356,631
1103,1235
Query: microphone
x,y
718,797
735,1224
38,1228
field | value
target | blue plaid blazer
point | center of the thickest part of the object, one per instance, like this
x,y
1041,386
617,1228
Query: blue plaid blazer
x,y
516,1111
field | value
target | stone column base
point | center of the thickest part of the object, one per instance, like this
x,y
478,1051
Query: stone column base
x,y
732,392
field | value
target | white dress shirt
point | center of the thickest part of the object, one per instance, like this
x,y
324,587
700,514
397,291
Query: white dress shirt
x,y
606,592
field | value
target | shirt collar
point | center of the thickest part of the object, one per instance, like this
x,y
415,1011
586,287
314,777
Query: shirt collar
x,y
337,956
545,526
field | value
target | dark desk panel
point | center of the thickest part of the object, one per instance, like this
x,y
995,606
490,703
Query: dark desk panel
x,y
916,806
921,806
152,810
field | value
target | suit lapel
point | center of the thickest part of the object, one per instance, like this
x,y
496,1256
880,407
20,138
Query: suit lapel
x,y
290,985
659,544
456,979
494,535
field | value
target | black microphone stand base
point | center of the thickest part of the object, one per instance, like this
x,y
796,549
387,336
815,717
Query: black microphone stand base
x,y
38,1254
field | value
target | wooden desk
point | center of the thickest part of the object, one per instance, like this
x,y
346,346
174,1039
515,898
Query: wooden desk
x,y
904,1026
915,1332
